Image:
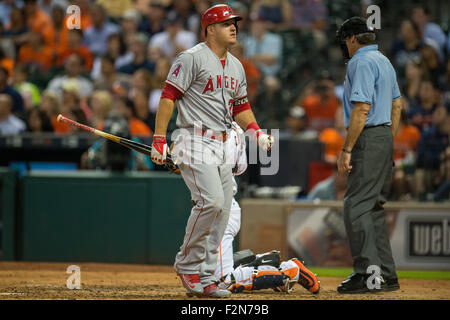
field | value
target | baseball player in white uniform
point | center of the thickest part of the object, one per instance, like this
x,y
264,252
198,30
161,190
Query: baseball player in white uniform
x,y
265,271
209,87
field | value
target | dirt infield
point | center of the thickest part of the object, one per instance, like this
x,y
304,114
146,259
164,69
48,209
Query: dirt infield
x,y
25,280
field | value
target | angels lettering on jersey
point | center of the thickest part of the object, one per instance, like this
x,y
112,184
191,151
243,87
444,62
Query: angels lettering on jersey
x,y
222,81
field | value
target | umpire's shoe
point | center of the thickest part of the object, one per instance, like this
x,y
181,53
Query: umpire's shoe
x,y
191,282
390,285
357,283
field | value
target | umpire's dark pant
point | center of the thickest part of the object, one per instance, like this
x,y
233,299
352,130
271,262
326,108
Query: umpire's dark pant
x,y
367,190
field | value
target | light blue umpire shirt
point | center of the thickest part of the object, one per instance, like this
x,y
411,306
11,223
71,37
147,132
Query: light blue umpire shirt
x,y
371,79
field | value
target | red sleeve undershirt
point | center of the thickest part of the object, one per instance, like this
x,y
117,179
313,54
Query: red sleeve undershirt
x,y
170,92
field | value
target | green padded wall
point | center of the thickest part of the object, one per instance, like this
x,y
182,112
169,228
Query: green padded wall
x,y
97,216
8,186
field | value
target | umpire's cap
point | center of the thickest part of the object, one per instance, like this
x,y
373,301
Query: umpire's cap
x,y
352,26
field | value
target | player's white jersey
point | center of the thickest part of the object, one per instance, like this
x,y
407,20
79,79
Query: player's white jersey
x,y
208,88
235,151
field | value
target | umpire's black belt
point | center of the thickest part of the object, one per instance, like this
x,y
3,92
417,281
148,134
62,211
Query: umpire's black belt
x,y
376,126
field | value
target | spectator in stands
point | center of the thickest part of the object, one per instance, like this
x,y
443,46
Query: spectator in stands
x,y
116,49
174,39
70,97
432,68
311,15
184,10
96,36
157,84
9,123
101,105
75,45
18,104
137,126
332,188
443,191
108,76
141,80
413,78
61,32
115,8
50,104
296,125
433,142
105,154
17,29
140,99
28,90
277,13
6,62
322,105
48,5
406,48
445,85
252,73
420,115
6,7
140,58
129,25
39,21
153,22
428,29
73,69
334,137
405,148
38,121
264,49
36,53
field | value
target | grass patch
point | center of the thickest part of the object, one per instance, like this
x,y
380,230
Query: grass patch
x,y
402,274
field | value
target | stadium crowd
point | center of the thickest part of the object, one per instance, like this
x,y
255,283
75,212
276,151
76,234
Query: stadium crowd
x,y
117,61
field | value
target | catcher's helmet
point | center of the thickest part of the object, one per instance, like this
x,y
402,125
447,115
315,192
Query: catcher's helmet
x,y
218,13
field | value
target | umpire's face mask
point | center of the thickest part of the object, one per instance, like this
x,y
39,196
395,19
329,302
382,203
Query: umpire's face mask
x,y
340,38
344,50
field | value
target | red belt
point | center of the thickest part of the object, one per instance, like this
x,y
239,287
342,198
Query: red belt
x,y
220,136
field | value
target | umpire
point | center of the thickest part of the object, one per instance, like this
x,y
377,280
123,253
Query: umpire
x,y
372,107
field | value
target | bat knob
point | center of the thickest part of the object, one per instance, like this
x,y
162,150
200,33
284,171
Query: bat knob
x,y
59,118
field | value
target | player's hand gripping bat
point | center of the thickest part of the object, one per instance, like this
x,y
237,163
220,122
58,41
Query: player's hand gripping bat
x,y
139,147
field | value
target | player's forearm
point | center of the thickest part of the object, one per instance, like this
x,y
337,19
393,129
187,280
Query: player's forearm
x,y
357,121
397,106
163,115
244,118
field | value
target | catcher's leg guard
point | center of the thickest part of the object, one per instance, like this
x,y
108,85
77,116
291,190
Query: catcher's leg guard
x,y
271,258
268,279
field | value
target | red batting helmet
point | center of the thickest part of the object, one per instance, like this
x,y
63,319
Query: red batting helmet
x,y
218,13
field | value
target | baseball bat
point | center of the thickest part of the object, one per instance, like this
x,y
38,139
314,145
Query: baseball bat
x,y
139,147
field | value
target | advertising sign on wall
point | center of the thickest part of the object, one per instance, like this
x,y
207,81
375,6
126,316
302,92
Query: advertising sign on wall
x,y
420,238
